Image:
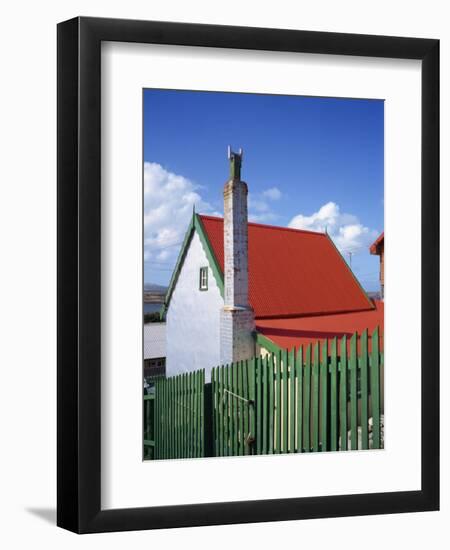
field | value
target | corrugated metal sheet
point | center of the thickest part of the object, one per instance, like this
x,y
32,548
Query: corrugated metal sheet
x,y
300,331
293,272
154,340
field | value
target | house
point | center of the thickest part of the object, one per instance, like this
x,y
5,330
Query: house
x,y
377,248
240,289
154,350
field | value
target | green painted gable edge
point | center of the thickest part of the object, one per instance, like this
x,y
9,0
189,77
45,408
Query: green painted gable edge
x,y
213,263
370,303
177,268
266,343
194,225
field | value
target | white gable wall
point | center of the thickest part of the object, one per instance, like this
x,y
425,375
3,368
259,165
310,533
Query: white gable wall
x,y
193,317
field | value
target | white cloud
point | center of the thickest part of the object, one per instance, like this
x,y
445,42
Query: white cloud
x,y
347,232
272,194
168,203
259,208
257,204
264,217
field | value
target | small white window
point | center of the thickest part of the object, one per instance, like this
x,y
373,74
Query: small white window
x,y
203,278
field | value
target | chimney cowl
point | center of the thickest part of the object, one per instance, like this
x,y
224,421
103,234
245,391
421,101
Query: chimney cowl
x,y
235,163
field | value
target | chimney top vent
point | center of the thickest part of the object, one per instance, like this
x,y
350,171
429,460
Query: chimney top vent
x,y
235,163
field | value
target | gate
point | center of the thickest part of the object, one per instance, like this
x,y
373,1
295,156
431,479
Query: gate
x,y
179,416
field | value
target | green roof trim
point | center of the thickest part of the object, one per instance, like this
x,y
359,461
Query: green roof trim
x,y
266,343
177,269
371,305
215,268
194,225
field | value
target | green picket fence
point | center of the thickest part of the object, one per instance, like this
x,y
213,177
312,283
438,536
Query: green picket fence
x,y
179,425
149,426
317,398
322,397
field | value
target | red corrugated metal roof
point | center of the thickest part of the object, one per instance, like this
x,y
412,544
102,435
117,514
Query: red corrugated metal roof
x,y
298,331
293,272
374,246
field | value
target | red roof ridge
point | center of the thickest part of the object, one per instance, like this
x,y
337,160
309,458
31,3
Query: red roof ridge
x,y
278,227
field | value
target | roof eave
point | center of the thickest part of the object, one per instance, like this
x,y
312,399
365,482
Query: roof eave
x,y
207,247
265,342
375,246
177,268
369,301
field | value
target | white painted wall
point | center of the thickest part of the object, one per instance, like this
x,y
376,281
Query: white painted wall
x,y
154,340
193,317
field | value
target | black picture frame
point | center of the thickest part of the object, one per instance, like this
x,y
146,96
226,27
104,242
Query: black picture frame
x,y
79,280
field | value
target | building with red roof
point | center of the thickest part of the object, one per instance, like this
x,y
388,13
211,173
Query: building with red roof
x,y
288,287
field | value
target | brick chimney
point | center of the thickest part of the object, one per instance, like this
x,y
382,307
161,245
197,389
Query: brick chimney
x,y
237,319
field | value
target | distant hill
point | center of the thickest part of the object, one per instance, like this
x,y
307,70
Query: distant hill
x,y
155,289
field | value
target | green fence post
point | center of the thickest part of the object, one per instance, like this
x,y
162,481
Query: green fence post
x,y
202,410
291,401
353,392
315,398
192,415
156,420
166,419
169,413
235,409
324,397
198,430
343,393
259,396
227,374
219,449
364,393
299,400
270,380
214,410
252,405
285,402
333,397
375,389
159,436
307,401
208,445
245,407
180,415
183,415
241,406
278,404
265,411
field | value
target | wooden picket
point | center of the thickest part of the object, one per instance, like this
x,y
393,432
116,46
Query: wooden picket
x,y
323,397
178,416
149,426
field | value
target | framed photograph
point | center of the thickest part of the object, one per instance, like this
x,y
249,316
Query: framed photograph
x,y
235,341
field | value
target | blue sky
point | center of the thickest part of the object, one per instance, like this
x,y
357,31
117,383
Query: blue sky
x,y
309,162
